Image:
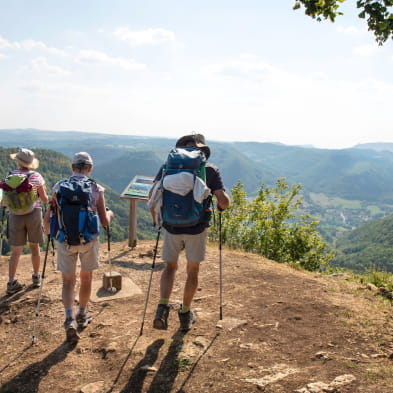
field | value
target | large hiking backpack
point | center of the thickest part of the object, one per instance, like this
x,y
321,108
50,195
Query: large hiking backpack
x,y
19,193
183,171
74,221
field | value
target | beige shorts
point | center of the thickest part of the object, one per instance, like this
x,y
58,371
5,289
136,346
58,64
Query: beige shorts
x,y
67,256
194,245
25,227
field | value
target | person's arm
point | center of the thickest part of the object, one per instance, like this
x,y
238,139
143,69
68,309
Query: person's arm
x,y
41,190
152,207
223,200
105,215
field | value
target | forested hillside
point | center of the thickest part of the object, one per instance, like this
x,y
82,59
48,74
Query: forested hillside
x,y
354,174
368,246
342,188
55,166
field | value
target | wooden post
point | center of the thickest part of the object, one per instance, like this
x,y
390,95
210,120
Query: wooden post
x,y
132,223
137,190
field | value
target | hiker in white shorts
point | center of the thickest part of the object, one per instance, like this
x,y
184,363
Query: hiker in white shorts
x,y
88,253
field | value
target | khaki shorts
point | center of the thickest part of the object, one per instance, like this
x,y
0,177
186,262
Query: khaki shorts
x,y
67,256
194,245
27,226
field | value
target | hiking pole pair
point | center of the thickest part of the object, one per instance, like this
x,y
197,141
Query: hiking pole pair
x,y
37,310
151,276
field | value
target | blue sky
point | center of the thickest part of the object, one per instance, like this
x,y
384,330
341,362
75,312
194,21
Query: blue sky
x,y
251,71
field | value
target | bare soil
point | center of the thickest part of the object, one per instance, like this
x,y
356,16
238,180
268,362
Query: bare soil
x,y
281,330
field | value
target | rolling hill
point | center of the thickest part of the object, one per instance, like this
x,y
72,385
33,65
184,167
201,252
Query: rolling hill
x,y
368,246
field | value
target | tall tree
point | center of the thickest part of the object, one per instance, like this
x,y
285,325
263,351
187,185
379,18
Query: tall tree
x,y
378,13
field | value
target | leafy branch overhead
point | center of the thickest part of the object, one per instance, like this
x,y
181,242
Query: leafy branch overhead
x,y
378,14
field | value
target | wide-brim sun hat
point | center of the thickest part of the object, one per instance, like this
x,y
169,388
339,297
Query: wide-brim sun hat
x,y
198,140
25,158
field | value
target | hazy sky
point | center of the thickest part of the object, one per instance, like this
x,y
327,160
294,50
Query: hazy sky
x,y
235,70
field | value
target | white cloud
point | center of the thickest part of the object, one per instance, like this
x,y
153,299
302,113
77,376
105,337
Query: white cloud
x,y
4,44
366,50
40,65
101,58
351,30
30,45
3,56
247,66
144,37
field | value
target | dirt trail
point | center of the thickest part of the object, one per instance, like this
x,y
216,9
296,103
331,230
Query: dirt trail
x,y
281,330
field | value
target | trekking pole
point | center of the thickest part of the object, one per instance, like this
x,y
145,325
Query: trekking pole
x,y
52,242
2,230
151,276
37,310
220,253
108,235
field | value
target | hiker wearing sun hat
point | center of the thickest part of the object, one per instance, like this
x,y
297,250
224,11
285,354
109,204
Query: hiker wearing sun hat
x,y
179,235
25,221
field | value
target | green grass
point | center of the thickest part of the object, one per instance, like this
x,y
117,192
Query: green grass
x,y
184,363
345,203
374,210
325,201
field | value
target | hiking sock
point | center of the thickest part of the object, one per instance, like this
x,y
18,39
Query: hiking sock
x,y
185,308
82,310
11,280
164,301
69,313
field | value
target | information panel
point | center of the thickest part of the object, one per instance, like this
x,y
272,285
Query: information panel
x,y
138,188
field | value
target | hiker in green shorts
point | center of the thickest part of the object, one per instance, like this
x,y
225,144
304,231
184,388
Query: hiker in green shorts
x,y
192,239
25,221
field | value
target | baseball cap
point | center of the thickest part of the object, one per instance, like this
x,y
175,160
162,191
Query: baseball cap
x,y
82,158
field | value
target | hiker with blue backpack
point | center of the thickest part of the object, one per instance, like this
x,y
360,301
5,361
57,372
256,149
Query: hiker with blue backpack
x,y
23,191
180,204
77,208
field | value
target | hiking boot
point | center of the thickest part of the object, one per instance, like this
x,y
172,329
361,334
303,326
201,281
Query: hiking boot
x,y
161,319
186,320
13,287
70,328
36,279
83,320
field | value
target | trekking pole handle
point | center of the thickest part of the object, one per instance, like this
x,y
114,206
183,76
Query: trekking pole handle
x,y
108,236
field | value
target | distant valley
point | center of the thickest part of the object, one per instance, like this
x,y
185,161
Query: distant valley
x,y
342,188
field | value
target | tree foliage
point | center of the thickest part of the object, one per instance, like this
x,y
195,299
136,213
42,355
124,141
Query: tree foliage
x,y
378,14
369,245
271,225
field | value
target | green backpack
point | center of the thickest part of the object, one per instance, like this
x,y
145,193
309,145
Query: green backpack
x,y
19,193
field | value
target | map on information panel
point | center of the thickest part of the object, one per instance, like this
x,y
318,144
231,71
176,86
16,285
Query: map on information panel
x,y
139,187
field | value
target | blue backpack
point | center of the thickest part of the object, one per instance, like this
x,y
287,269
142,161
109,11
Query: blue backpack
x,y
183,210
75,222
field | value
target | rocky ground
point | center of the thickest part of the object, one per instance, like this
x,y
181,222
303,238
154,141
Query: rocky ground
x,y
282,331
